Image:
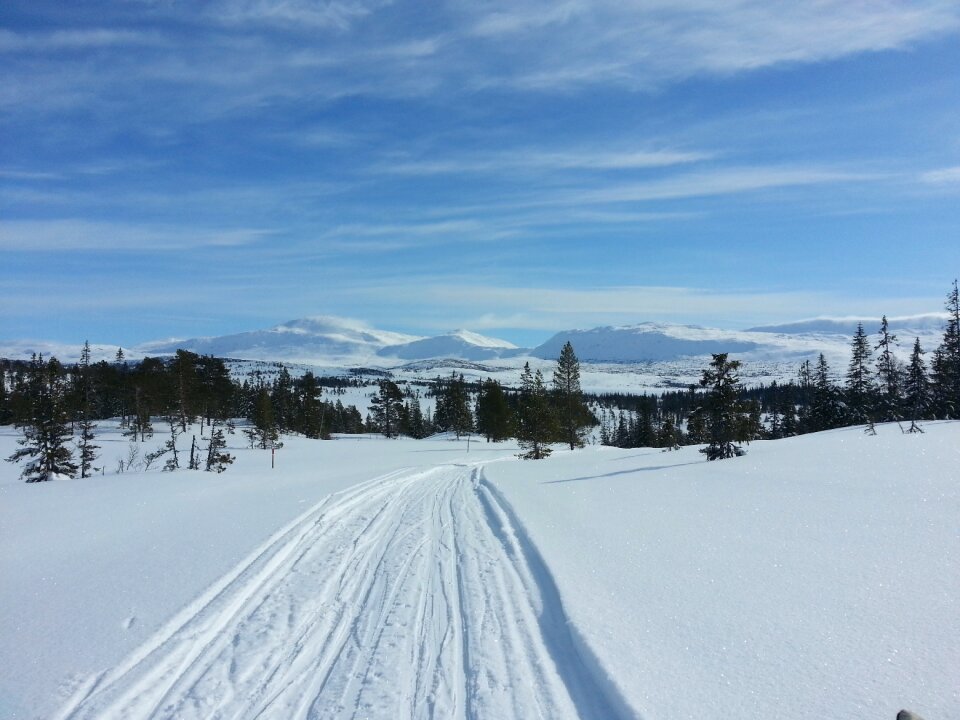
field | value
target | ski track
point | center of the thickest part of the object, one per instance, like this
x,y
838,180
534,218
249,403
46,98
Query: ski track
x,y
414,595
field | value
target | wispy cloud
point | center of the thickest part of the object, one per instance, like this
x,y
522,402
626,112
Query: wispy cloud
x,y
724,181
646,44
942,176
65,40
530,160
73,235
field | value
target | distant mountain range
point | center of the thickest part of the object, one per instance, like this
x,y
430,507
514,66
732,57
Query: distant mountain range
x,y
331,342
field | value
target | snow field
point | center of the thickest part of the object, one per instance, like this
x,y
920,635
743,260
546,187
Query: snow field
x,y
814,577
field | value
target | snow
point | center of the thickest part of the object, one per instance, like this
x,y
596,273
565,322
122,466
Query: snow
x,y
814,577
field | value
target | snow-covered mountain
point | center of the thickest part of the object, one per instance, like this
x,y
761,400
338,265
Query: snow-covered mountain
x,y
321,339
645,342
460,344
909,325
630,358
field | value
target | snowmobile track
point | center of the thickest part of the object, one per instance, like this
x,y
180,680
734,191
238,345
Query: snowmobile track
x,y
413,595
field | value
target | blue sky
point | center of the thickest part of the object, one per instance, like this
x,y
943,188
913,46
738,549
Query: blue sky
x,y
197,168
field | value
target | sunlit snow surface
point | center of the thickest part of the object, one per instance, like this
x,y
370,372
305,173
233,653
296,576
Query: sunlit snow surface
x,y
814,577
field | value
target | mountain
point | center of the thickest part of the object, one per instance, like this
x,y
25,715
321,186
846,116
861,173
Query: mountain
x,y
460,344
647,342
313,339
916,324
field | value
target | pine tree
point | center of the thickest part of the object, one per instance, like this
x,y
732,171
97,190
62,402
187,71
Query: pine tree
x,y
889,375
916,388
264,433
725,415
535,422
45,433
170,446
573,416
386,408
186,383
859,388
217,456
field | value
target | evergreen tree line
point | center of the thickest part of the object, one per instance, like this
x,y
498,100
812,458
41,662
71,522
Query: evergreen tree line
x,y
536,414
57,407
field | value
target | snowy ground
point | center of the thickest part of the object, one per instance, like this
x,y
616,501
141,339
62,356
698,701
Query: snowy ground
x,y
814,577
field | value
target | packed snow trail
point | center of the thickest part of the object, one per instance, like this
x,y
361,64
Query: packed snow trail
x,y
410,596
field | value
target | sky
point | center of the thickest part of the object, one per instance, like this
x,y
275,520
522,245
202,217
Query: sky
x,y
180,169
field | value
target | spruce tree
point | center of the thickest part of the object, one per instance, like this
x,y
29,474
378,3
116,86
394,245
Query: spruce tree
x,y
573,415
86,446
824,411
888,375
916,388
724,414
535,424
859,388
940,385
45,433
949,372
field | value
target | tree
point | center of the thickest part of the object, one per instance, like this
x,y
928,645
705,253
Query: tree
x,y
45,432
264,433
916,388
724,414
386,407
824,412
493,412
947,375
573,415
186,385
217,456
888,374
535,422
86,446
859,388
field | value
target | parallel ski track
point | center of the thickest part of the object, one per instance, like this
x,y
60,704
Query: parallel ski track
x,y
414,595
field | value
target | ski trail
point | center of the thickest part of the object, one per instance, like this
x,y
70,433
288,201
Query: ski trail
x,y
414,595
